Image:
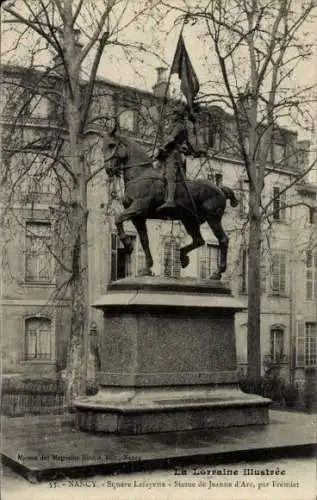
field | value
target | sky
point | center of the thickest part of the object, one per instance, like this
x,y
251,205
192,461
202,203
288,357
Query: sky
x,y
140,70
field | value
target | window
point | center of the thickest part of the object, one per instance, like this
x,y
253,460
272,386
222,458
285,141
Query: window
x,y
278,270
40,179
38,339
306,351
37,107
244,273
208,260
244,197
215,176
279,153
202,135
122,264
279,203
218,179
312,215
215,138
126,119
311,275
38,258
277,344
171,258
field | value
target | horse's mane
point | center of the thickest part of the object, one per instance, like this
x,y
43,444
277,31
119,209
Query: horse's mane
x,y
134,148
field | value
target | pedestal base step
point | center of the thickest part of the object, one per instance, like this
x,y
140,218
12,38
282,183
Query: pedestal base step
x,y
148,412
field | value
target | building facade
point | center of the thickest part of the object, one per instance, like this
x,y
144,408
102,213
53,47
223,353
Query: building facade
x,y
35,301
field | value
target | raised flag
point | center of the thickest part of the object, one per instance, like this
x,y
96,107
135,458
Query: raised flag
x,y
183,67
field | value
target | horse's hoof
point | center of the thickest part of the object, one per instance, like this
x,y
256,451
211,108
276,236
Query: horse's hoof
x,y
215,276
184,260
145,272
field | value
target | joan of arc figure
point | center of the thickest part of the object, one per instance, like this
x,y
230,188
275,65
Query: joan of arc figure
x,y
174,150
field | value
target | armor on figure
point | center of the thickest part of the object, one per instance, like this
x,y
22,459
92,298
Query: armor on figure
x,y
174,150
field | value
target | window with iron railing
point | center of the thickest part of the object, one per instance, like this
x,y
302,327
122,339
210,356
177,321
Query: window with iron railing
x,y
38,339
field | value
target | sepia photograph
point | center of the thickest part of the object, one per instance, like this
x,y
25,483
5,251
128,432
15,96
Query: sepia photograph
x,y
158,211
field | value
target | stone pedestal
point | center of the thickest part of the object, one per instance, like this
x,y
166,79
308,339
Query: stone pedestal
x,y
168,360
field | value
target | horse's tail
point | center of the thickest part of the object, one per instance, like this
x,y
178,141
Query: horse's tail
x,y
229,194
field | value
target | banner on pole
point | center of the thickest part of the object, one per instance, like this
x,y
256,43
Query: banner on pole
x,y
183,67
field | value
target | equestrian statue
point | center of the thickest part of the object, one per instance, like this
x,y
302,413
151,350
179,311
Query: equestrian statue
x,y
165,193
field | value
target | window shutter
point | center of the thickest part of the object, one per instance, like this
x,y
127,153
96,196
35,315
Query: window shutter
x,y
300,344
213,258
244,271
276,203
203,262
243,197
114,257
275,274
282,264
283,205
140,257
263,274
309,275
315,275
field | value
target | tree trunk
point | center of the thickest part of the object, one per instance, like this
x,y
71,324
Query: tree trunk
x,y
77,350
254,290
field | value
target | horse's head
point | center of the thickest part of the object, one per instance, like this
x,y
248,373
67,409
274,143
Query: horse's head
x,y
113,145
126,154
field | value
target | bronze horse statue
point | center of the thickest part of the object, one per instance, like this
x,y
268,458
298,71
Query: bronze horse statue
x,y
197,201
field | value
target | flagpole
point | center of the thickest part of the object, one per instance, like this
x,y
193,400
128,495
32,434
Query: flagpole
x,y
161,115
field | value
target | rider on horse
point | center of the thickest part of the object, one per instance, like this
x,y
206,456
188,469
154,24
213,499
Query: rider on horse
x,y
171,154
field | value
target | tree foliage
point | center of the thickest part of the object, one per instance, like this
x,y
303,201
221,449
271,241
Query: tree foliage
x,y
254,50
50,119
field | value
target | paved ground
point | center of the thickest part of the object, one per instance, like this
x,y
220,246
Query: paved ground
x,y
298,482
37,444
43,445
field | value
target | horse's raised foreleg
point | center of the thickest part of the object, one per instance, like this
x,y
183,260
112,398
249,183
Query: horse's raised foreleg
x,y
136,209
126,239
223,240
140,226
193,229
